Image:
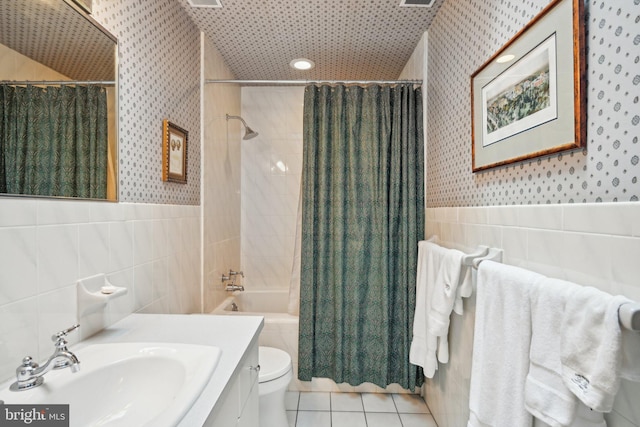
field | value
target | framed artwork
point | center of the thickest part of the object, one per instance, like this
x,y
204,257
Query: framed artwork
x,y
174,153
529,98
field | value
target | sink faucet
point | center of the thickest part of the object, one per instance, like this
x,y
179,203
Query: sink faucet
x,y
29,374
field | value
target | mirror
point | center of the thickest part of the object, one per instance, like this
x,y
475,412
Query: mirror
x,y
43,45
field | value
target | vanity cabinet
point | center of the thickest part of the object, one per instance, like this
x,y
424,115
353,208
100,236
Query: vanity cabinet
x,y
239,404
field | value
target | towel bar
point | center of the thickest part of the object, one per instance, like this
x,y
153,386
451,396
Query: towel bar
x,y
470,258
630,316
494,254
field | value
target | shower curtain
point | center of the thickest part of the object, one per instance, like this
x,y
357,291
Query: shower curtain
x,y
363,215
53,141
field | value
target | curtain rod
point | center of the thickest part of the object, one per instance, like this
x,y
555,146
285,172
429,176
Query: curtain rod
x,y
58,82
310,82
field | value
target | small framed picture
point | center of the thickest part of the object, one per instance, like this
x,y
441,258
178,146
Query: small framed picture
x,y
174,153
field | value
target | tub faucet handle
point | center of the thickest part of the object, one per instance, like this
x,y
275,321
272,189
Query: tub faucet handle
x,y
236,273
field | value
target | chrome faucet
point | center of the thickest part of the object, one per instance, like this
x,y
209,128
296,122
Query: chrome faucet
x,y
29,374
231,287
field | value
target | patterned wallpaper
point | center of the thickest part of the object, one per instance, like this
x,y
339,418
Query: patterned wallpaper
x,y
159,74
463,36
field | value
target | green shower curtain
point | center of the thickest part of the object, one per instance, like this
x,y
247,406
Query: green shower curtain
x,y
363,215
53,141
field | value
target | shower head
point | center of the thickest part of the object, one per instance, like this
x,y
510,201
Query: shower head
x,y
248,132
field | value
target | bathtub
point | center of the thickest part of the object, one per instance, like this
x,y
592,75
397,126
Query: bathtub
x,y
280,328
281,331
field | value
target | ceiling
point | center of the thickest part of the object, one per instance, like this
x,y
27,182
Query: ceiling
x,y
347,39
48,32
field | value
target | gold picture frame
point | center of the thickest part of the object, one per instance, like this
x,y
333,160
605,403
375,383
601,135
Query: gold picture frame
x,y
529,98
174,152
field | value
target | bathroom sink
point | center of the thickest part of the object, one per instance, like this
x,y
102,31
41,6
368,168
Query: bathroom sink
x,y
126,384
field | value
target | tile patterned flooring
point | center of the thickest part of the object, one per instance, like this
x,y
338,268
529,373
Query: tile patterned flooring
x,y
317,409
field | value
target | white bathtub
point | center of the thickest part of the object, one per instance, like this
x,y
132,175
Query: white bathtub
x,y
280,328
281,331
270,304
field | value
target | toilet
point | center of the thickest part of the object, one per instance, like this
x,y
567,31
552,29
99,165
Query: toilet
x,y
275,374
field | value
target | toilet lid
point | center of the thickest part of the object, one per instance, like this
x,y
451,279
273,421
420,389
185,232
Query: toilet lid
x,y
274,363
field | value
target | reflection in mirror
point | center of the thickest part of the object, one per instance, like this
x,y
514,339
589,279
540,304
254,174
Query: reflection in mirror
x,y
57,102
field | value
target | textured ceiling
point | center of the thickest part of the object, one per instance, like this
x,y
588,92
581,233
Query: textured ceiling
x,y
58,36
347,39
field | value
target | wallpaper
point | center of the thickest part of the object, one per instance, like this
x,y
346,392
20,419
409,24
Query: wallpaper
x,y
159,78
463,36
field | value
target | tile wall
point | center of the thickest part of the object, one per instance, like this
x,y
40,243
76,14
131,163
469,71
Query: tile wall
x,y
220,178
47,245
271,170
590,244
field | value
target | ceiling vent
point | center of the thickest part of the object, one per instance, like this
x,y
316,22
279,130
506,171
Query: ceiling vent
x,y
417,3
205,3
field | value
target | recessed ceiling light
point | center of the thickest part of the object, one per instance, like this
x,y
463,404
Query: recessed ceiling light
x,y
416,3
205,3
505,58
302,64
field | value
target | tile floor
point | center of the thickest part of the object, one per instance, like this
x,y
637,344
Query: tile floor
x,y
316,409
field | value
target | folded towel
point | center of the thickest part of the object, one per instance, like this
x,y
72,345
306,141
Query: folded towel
x,y
423,344
546,396
501,344
449,279
591,347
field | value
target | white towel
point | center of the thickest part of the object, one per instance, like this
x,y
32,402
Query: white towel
x,y
501,341
439,277
423,344
449,280
546,396
591,347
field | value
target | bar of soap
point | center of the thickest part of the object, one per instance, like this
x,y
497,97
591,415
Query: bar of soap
x,y
108,289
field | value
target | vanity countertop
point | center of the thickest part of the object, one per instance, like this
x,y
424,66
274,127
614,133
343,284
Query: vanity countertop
x,y
232,334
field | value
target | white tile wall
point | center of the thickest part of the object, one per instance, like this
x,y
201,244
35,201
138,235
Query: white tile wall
x,y
591,244
271,171
220,178
47,245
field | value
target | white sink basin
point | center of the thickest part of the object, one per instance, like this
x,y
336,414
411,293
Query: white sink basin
x,y
126,384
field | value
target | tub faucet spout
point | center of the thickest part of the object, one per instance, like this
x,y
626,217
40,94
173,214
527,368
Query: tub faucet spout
x,y
233,287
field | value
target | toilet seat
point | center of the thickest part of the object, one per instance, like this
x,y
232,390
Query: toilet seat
x,y
274,363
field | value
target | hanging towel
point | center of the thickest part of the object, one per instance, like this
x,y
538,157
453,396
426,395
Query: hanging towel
x,y
501,341
423,344
450,278
426,347
546,396
592,352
